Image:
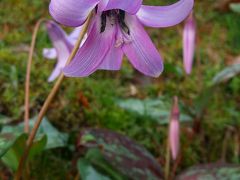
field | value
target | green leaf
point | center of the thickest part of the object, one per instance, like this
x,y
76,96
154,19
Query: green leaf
x,y
235,7
87,138
212,171
157,109
226,74
54,137
13,155
38,146
12,147
97,159
11,158
4,119
88,172
6,141
118,156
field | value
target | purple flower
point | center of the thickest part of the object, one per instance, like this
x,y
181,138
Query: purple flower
x,y
174,129
117,28
63,45
189,35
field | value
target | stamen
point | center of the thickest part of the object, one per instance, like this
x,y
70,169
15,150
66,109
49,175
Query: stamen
x,y
103,22
121,21
113,17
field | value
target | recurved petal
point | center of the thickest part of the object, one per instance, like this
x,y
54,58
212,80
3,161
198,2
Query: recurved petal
x,y
71,12
55,73
165,16
73,36
91,54
130,6
61,46
61,62
189,36
49,53
141,52
58,36
58,67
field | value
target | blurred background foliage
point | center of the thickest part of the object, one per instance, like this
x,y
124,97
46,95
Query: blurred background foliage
x,y
210,103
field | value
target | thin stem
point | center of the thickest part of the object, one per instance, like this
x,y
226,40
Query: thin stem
x,y
47,103
28,74
225,144
168,160
237,147
175,165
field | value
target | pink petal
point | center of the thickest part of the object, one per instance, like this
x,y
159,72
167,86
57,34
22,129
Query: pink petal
x,y
61,45
130,6
174,138
59,66
102,5
141,52
71,12
73,36
189,35
165,16
49,53
91,54
113,59
174,129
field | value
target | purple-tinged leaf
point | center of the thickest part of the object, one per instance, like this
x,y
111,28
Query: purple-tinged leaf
x,y
129,158
211,171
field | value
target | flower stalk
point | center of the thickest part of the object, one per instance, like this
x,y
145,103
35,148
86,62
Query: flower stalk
x,y
47,103
28,75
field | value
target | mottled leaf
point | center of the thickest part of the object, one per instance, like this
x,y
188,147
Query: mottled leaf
x,y
54,137
4,119
226,74
88,172
129,158
212,172
97,159
157,109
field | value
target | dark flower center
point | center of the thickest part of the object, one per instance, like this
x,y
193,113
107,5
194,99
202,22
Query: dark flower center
x,y
114,16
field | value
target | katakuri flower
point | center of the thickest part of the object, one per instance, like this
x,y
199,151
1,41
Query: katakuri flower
x,y
174,129
62,46
117,28
189,36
